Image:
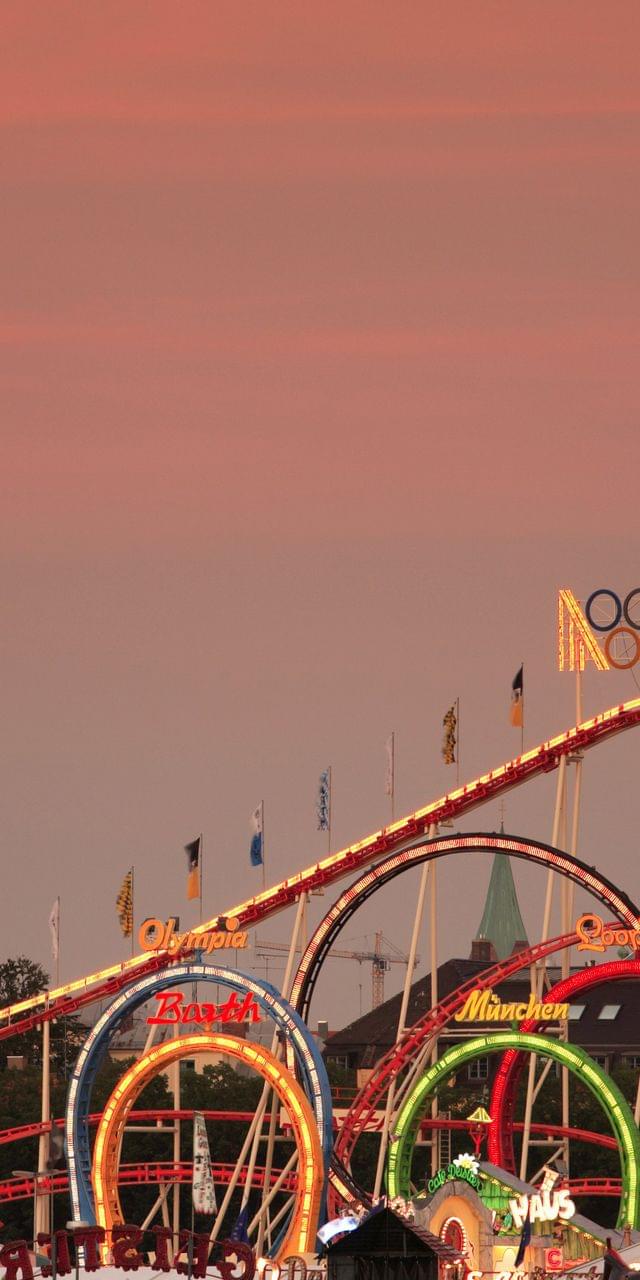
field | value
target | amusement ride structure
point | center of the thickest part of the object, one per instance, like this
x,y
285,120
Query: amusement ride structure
x,y
397,1102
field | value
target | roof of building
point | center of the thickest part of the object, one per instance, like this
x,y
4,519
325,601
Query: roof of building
x,y
385,1227
617,1031
501,922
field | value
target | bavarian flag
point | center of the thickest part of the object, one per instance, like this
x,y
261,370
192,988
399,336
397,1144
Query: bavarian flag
x,y
124,904
193,867
517,698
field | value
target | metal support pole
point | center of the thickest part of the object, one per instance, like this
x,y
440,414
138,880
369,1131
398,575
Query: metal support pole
x,y
42,1221
539,979
402,1022
175,1083
273,1192
254,1133
435,1142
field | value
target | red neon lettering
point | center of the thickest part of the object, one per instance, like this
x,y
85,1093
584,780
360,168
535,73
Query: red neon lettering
x,y
170,1002
15,1257
199,1245
90,1238
233,1012
63,1260
163,1236
240,1253
125,1254
173,1010
192,1014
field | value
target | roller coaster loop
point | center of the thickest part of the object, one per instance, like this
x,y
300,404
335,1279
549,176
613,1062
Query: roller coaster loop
x,y
500,1139
300,1234
313,1072
407,1121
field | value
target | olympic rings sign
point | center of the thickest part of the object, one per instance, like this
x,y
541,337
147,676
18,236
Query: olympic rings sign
x,y
578,631
620,609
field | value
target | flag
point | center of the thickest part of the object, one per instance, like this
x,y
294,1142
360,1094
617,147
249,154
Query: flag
x,y
324,800
615,1267
193,868
203,1187
390,778
57,1159
124,905
256,852
54,926
449,740
525,1238
240,1231
517,698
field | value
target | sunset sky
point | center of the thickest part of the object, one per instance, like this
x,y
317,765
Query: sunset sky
x,y
319,376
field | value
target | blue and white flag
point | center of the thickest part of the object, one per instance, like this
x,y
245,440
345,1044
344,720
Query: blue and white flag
x,y
257,826
324,800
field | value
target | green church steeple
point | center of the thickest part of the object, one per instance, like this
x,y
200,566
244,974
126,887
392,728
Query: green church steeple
x,y
502,926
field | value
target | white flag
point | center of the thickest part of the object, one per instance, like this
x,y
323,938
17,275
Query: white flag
x,y
390,748
54,926
203,1186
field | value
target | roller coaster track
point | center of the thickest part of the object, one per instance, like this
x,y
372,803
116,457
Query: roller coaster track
x,y
156,1172
396,1058
23,1132
505,1085
26,1014
153,1171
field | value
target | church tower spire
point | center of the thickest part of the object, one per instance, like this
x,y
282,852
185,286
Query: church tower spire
x,y
501,930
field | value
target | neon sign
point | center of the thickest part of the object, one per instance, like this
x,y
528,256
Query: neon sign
x,y
543,1207
486,1006
577,642
173,1010
594,935
153,935
464,1168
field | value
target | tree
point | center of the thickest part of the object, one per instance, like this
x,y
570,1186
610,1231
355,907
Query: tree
x,y
21,978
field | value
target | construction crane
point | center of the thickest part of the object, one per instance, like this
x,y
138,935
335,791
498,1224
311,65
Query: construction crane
x,y
381,960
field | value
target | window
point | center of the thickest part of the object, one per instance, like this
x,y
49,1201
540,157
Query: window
x,y
608,1012
601,1060
631,1060
576,1011
479,1069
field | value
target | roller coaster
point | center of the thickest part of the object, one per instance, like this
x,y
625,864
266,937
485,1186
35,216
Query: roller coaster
x,y
390,1103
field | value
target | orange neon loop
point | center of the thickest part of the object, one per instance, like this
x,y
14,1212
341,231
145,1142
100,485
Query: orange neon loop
x,y
301,1232
355,856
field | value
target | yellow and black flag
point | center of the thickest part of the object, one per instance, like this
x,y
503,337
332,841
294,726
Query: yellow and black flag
x,y
517,699
124,904
193,851
450,725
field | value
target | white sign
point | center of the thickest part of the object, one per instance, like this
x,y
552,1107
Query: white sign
x,y
204,1190
543,1207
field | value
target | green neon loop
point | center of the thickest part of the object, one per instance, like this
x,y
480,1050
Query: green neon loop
x,y
568,1055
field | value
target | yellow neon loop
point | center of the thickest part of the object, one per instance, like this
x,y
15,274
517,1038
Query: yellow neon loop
x,y
302,1230
355,856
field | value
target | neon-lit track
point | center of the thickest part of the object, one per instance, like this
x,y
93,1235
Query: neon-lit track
x,y
354,858
153,1172
312,1070
300,1232
399,1055
505,1085
531,851
406,1122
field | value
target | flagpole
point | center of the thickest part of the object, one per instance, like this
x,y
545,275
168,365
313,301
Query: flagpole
x,y
58,948
458,742
201,870
522,717
330,808
264,870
